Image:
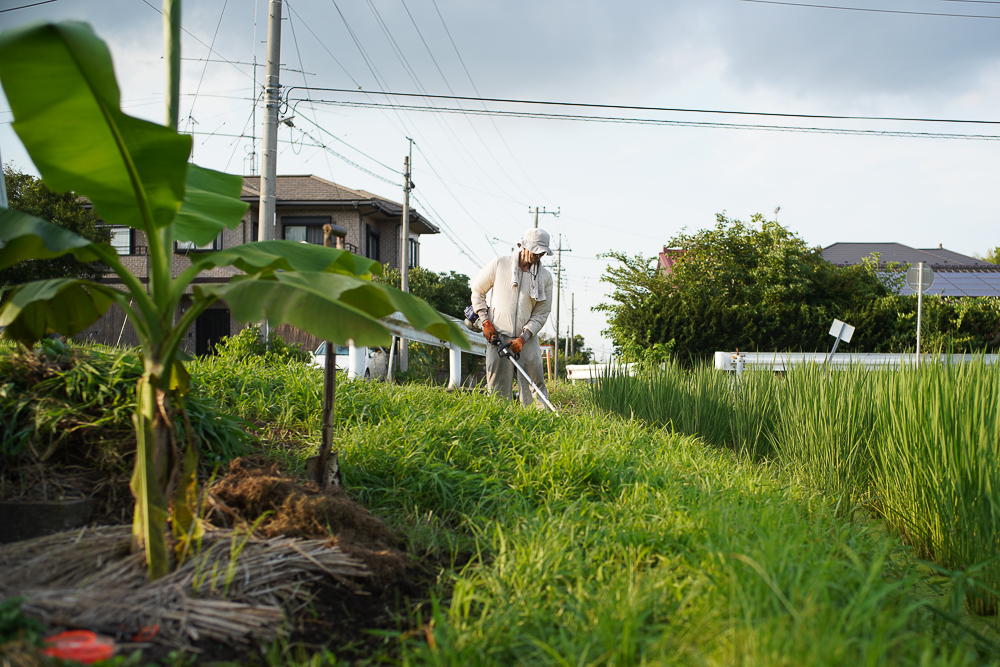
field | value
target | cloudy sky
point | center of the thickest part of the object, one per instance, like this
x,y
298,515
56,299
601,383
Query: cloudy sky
x,y
619,185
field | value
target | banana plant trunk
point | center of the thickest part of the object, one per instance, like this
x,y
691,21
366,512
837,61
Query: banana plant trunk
x,y
155,467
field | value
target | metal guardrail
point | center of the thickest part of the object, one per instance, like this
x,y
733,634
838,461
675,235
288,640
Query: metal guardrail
x,y
399,326
591,372
782,361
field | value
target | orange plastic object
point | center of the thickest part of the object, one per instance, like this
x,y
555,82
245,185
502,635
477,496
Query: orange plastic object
x,y
80,645
146,633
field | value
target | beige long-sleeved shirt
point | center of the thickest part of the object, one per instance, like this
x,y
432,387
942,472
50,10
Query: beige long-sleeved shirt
x,y
513,310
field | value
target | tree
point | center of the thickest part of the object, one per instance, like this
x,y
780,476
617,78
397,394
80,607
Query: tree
x,y
740,285
448,293
992,256
136,173
30,195
581,354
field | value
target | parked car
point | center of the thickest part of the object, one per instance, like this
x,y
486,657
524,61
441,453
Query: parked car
x,y
376,359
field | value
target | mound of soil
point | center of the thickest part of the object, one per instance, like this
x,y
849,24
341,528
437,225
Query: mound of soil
x,y
255,492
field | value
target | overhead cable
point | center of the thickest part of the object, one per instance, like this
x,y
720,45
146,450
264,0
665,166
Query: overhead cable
x,y
664,122
14,9
670,109
195,38
868,9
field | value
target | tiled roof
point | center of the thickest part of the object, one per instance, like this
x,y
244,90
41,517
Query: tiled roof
x,y
852,253
304,188
313,189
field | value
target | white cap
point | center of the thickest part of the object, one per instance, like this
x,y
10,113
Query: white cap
x,y
536,241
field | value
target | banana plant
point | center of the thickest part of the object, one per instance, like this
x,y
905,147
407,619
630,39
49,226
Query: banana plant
x,y
61,86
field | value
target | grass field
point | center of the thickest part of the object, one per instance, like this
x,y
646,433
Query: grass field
x,y
919,449
596,539
603,539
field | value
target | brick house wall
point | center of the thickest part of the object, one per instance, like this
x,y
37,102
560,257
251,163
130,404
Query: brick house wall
x,y
355,212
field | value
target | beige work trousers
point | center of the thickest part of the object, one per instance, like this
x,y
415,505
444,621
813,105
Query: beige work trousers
x,y
500,372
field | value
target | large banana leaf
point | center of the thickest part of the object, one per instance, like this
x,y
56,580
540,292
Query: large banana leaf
x,y
333,306
62,305
60,83
24,236
211,204
272,256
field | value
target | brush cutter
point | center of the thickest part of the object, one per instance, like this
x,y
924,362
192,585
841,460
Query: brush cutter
x,y
505,353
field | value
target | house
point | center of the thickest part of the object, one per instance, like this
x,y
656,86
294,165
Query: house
x,y
667,258
954,274
370,225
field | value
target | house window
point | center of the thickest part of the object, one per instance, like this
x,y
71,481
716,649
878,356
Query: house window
x,y
189,246
305,228
121,239
414,250
373,242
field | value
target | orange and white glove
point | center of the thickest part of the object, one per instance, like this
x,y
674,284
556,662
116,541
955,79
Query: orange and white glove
x,y
489,331
516,344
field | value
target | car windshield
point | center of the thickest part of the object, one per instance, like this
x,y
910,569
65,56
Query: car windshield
x,y
342,350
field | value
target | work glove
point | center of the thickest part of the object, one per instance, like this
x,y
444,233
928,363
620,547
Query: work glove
x,y
489,331
516,344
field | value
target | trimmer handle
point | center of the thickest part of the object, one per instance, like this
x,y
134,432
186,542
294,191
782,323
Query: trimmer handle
x,y
504,351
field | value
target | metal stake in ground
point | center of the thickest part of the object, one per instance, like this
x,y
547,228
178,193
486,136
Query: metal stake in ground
x,y
919,278
324,468
505,353
841,331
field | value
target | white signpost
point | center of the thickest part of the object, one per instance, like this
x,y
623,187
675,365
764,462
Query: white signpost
x,y
919,278
841,331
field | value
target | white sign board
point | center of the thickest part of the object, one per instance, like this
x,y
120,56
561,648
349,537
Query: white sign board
x,y
919,281
842,330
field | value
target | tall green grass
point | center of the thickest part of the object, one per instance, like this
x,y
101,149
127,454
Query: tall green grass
x,y
920,448
600,540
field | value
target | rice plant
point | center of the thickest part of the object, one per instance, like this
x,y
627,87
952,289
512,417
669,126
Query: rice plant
x,y
919,448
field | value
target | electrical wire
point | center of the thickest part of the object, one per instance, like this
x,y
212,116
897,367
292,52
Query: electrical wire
x,y
14,9
866,9
472,125
190,118
475,88
668,109
662,122
195,38
358,150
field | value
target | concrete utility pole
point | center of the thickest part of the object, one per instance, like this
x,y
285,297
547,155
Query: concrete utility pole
x,y
3,189
269,150
555,343
572,323
544,212
404,263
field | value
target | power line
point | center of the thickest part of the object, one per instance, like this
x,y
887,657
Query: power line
x,y
865,9
670,109
475,88
14,9
190,118
195,38
663,122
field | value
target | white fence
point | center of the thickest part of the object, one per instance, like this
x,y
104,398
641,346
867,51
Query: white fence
x,y
591,372
781,361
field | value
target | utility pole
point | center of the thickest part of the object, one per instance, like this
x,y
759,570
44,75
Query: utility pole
x,y
3,190
544,212
572,323
269,149
404,265
555,343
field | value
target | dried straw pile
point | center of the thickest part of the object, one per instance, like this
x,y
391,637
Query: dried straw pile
x,y
238,589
